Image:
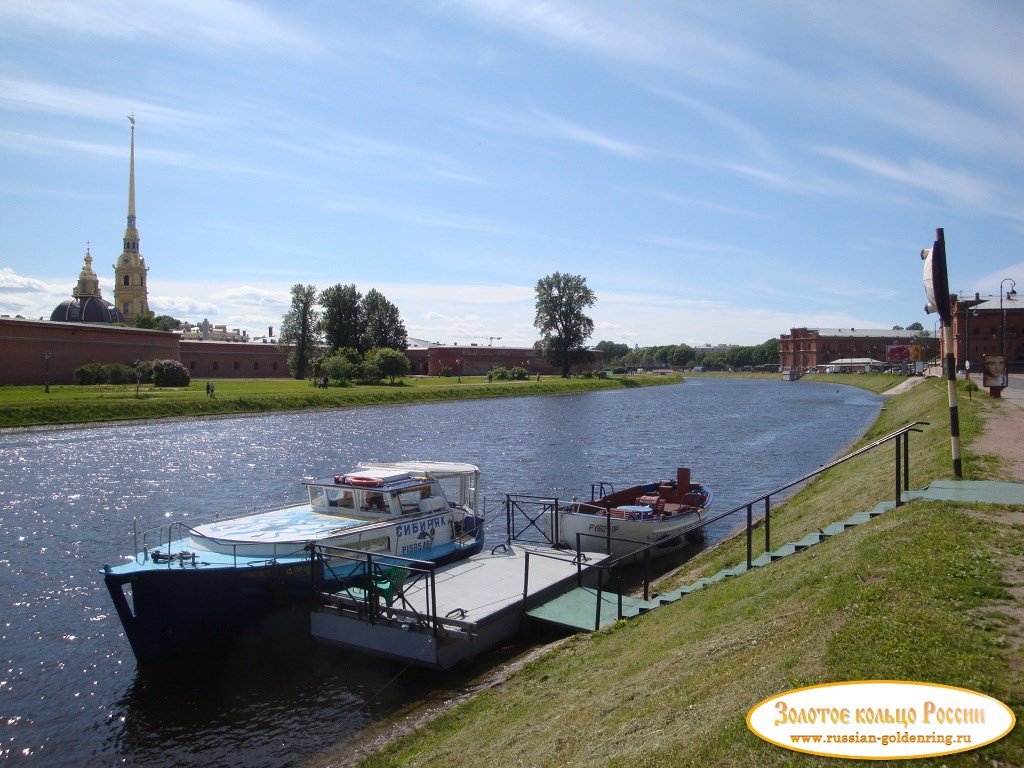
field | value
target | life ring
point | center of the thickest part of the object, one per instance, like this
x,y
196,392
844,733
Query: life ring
x,y
363,480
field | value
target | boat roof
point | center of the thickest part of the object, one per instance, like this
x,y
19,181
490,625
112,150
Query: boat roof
x,y
395,474
438,469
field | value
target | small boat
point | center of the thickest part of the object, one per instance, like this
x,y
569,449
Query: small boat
x,y
191,590
622,522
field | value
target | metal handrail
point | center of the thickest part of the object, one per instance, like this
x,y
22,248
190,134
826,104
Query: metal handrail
x,y
902,483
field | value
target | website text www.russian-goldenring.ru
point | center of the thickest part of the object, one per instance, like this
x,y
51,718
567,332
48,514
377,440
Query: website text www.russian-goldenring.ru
x,y
947,739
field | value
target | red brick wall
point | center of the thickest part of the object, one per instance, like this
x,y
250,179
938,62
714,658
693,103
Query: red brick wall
x,y
72,345
234,360
477,361
23,344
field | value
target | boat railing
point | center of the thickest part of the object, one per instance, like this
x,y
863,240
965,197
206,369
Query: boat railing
x,y
381,589
601,489
165,535
532,519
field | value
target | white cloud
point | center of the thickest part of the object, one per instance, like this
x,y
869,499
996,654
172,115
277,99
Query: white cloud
x,y
214,24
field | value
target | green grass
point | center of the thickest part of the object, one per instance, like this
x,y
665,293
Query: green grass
x,y
65,404
920,593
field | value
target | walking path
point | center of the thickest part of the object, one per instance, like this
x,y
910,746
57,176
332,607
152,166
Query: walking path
x,y
1003,428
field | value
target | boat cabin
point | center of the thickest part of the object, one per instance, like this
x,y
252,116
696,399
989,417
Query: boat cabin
x,y
378,495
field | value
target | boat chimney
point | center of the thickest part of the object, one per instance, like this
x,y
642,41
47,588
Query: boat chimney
x,y
683,479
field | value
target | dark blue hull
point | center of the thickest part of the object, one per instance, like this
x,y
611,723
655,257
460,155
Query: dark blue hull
x,y
176,611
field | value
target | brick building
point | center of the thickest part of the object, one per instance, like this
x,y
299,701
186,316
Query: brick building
x,y
806,349
982,325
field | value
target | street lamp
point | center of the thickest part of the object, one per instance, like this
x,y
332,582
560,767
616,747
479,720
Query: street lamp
x,y
1002,312
969,312
46,380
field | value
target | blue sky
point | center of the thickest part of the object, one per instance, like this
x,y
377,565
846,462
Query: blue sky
x,y
719,172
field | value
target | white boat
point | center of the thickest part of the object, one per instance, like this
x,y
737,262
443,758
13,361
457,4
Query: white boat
x,y
622,522
197,589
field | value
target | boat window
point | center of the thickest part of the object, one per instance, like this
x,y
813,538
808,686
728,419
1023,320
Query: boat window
x,y
340,497
336,499
374,502
409,499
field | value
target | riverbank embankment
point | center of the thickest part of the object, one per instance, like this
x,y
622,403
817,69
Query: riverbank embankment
x,y
927,592
69,404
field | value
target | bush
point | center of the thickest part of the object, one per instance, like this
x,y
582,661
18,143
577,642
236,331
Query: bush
x,y
170,373
500,373
145,367
119,373
91,373
339,367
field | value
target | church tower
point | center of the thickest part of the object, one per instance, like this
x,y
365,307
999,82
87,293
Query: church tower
x,y
131,296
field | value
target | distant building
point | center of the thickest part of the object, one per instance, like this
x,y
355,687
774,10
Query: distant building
x,y
806,349
980,325
86,305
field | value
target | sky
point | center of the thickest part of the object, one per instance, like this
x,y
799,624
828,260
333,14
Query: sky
x,y
719,173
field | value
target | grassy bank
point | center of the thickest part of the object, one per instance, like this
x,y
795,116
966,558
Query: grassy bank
x,y
66,404
921,593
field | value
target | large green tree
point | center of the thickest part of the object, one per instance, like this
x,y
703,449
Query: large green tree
x,y
299,328
383,324
342,321
387,362
564,326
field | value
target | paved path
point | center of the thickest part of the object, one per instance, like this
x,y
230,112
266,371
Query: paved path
x,y
1014,393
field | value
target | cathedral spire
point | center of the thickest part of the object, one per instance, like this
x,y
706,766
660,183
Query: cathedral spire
x,y
131,296
131,177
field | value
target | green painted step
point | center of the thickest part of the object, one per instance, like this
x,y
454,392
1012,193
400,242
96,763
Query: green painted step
x,y
577,609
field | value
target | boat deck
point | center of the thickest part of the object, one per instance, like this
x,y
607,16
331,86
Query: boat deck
x,y
480,602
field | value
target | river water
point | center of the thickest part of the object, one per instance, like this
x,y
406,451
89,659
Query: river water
x,y
70,693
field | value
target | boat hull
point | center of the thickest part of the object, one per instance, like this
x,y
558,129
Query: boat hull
x,y
626,536
171,610
659,518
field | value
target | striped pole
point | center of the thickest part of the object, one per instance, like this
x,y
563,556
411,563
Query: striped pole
x,y
936,287
954,414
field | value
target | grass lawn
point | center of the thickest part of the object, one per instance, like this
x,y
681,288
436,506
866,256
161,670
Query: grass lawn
x,y
921,593
65,404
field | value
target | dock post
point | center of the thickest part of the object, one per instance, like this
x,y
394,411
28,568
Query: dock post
x,y
750,535
899,484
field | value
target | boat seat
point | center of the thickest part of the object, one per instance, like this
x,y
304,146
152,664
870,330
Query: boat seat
x,y
431,504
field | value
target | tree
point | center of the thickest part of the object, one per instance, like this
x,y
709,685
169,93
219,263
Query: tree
x,y
383,323
342,322
342,366
612,351
298,328
387,362
561,301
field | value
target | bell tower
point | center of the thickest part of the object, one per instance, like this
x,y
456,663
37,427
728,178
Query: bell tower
x,y
131,296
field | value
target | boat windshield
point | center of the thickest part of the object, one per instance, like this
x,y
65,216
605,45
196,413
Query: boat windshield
x,y
329,500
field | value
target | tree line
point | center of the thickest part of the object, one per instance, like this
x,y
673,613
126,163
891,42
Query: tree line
x,y
621,356
344,335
